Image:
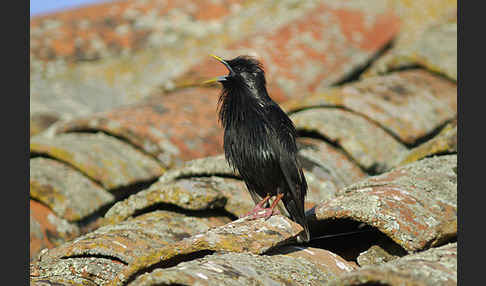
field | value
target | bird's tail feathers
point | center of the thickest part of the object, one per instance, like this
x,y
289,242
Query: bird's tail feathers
x,y
298,216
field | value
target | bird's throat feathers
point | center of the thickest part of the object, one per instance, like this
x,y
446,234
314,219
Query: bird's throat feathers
x,y
238,101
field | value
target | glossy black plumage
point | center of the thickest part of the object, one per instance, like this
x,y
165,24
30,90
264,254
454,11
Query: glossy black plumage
x,y
259,138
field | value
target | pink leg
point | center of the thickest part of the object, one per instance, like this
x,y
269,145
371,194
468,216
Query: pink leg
x,y
259,212
258,207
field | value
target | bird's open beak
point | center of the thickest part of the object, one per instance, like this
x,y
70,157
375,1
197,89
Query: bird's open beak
x,y
220,78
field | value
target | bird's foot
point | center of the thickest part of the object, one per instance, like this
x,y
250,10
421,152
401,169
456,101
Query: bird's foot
x,y
259,212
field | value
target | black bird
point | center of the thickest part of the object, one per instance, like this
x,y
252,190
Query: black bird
x,y
259,141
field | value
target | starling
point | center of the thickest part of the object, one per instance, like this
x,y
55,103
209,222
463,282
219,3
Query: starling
x,y
259,141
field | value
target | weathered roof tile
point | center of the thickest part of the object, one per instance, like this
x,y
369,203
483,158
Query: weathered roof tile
x,y
410,104
444,142
427,38
326,169
328,262
436,266
364,141
163,126
48,230
85,271
67,192
130,239
243,235
239,269
315,50
114,54
188,194
415,205
120,165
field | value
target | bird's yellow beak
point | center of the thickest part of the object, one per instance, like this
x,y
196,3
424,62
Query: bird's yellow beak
x,y
219,78
218,58
212,80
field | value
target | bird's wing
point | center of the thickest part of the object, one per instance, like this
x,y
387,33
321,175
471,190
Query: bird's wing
x,y
284,142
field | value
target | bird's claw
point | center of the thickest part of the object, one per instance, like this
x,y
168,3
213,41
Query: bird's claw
x,y
261,213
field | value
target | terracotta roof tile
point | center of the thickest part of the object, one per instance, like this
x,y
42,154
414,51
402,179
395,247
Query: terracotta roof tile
x,y
239,269
120,165
436,266
327,261
255,236
367,143
189,194
428,38
48,230
410,104
131,130
162,126
64,190
315,50
415,205
444,142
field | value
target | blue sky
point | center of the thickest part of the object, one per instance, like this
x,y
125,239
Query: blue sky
x,y
48,6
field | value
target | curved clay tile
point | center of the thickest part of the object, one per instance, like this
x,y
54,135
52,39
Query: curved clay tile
x,y
251,236
188,194
240,269
172,128
48,230
68,193
104,159
100,255
444,142
365,142
101,57
326,169
428,38
415,205
409,104
209,182
436,266
315,50
330,264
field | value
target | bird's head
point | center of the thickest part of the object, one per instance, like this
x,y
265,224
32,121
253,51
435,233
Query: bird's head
x,y
244,72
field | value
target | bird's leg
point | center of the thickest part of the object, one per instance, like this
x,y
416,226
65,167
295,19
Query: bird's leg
x,y
275,202
258,207
265,212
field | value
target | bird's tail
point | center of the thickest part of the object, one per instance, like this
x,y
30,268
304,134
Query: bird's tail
x,y
297,214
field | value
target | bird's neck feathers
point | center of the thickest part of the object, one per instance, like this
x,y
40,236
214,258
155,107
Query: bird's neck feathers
x,y
243,101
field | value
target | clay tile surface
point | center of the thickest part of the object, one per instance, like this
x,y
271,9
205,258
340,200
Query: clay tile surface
x,y
90,271
66,191
124,51
209,183
130,239
238,269
427,38
120,165
327,261
243,235
436,266
319,48
40,122
48,230
117,26
409,104
100,255
415,205
326,169
367,143
444,142
189,194
128,182
173,128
